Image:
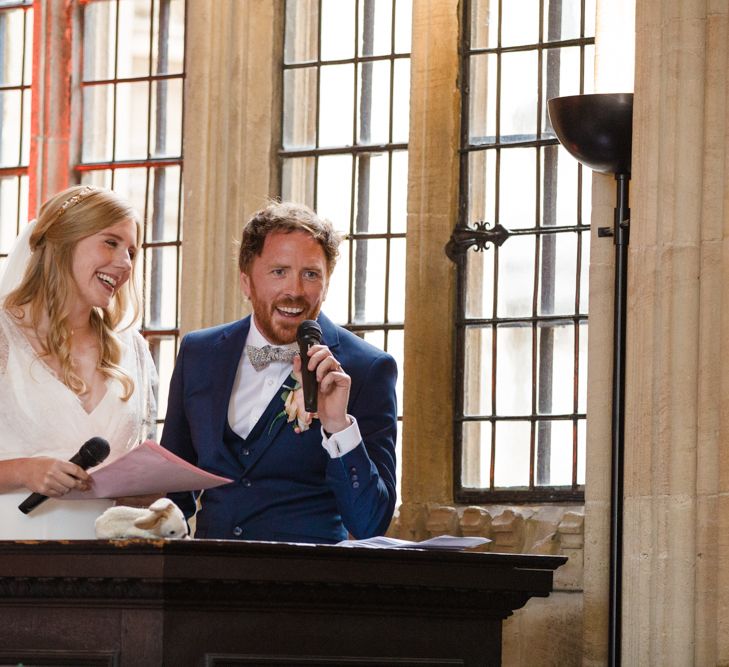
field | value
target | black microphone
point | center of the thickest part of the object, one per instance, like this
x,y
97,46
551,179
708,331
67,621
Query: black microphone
x,y
92,452
308,334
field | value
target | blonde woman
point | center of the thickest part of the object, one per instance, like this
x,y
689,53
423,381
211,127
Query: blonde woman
x,y
71,366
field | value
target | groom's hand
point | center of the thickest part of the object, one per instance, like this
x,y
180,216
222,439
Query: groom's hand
x,y
334,386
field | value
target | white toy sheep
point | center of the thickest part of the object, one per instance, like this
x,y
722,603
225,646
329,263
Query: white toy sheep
x,y
161,519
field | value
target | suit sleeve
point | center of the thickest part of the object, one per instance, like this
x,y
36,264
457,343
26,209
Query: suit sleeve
x,y
363,480
176,436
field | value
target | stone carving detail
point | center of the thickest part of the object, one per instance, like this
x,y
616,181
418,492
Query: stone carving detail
x,y
545,530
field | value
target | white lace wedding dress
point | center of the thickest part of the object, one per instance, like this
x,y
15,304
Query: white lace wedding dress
x,y
40,416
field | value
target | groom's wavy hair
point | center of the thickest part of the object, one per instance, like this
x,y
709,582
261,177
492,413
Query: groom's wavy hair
x,y
287,217
63,221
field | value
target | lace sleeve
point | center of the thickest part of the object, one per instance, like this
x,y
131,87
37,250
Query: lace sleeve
x,y
148,383
4,351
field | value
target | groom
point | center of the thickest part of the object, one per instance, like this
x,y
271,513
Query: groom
x,y
295,481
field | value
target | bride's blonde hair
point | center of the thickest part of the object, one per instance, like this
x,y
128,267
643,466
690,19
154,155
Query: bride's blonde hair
x,y
63,221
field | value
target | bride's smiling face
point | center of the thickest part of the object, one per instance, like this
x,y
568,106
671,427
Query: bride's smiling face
x,y
102,263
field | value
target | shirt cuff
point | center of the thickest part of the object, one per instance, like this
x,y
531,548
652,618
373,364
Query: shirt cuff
x,y
339,444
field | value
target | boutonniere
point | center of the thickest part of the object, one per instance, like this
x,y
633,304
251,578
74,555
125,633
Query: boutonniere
x,y
293,398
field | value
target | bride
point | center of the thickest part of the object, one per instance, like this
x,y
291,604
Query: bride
x,y
71,366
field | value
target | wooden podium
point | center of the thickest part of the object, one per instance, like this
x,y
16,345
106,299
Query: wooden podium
x,y
217,603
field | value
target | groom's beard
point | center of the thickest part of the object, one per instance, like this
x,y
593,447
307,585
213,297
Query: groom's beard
x,y
276,327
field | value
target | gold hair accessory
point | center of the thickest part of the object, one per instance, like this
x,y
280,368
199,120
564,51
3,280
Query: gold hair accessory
x,y
72,201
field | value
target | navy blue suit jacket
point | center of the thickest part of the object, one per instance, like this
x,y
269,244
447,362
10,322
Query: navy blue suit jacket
x,y
287,488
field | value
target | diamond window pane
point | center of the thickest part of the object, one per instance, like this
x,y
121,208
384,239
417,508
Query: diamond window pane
x,y
511,459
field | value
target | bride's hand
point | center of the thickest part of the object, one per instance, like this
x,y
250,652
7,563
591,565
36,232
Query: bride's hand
x,y
53,477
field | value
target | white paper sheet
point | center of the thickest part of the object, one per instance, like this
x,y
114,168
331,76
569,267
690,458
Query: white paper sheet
x,y
442,542
148,468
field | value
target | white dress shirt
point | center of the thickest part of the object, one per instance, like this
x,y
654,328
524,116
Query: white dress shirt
x,y
253,391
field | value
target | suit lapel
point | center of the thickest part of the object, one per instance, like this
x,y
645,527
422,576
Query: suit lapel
x,y
226,353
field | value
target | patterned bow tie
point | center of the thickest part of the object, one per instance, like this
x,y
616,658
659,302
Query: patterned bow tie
x,y
261,357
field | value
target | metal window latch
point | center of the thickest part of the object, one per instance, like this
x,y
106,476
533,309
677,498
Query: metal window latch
x,y
480,235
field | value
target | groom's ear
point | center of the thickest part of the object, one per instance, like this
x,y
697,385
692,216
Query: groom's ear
x,y
245,284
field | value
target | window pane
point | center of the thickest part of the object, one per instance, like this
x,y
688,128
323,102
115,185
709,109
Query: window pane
x,y
476,461
517,197
373,103
98,123
132,109
513,445
483,100
372,177
398,259
368,286
334,189
555,368
297,180
302,20
299,120
558,271
516,277
336,105
554,453
375,27
518,119
519,22
338,37
477,393
480,284
514,370
399,190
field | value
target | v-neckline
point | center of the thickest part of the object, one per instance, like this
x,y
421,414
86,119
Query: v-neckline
x,y
25,341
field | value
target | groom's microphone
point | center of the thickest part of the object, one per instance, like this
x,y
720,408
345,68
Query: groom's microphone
x,y
308,334
92,452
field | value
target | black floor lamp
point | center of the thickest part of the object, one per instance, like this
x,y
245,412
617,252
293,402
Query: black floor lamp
x,y
598,131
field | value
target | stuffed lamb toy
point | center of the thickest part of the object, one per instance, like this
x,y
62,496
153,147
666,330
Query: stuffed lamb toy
x,y
161,519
